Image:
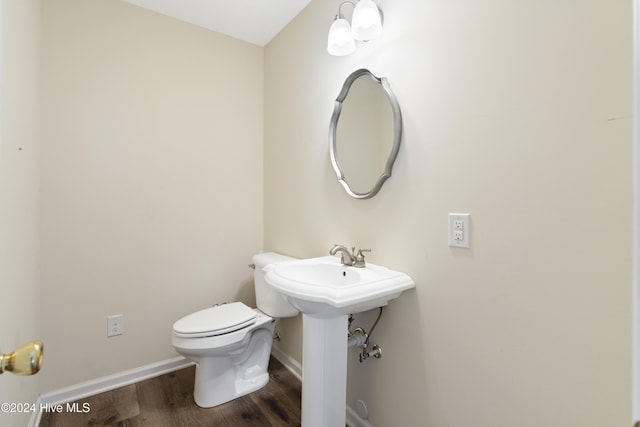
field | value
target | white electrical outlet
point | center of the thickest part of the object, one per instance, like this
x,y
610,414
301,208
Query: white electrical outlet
x,y
459,230
115,325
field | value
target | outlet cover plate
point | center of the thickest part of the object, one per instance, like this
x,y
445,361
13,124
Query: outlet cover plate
x,y
459,230
115,325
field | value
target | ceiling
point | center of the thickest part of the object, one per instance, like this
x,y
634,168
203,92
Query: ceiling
x,y
254,21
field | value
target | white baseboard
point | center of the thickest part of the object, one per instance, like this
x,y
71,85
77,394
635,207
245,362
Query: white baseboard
x,y
110,382
352,418
289,362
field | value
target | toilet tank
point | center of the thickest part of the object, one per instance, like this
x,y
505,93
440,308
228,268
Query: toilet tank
x,y
268,300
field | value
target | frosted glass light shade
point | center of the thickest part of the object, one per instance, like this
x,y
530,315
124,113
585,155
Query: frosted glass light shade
x,y
366,21
340,41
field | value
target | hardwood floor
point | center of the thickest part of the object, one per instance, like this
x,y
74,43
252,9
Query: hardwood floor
x,y
167,400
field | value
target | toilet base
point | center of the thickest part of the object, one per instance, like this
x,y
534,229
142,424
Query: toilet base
x,y
209,393
221,379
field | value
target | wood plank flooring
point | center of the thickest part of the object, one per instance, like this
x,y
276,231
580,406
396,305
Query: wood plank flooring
x,y
167,400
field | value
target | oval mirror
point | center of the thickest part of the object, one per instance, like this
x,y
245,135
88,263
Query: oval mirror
x,y
365,134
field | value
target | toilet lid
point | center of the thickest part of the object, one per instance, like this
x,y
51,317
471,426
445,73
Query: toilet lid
x,y
216,320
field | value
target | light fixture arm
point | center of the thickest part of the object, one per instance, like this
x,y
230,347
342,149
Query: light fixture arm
x,y
340,15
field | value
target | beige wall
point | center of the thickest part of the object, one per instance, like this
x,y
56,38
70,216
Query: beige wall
x,y
520,114
18,193
151,172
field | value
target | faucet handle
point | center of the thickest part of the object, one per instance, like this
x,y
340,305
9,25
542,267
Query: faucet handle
x,y
360,257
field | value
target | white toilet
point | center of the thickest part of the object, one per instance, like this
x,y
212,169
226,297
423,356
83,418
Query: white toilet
x,y
231,343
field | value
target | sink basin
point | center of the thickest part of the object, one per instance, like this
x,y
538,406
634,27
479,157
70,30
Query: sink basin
x,y
324,285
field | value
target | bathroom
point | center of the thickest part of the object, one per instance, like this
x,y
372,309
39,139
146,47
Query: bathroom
x,y
144,161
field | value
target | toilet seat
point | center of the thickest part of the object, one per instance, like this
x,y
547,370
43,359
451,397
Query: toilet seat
x,y
216,320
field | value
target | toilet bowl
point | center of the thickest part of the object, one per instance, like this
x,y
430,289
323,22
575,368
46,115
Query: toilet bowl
x,y
231,343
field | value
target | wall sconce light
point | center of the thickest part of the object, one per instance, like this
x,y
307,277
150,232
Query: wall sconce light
x,y
366,24
25,360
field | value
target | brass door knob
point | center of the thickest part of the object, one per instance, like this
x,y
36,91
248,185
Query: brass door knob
x,y
25,360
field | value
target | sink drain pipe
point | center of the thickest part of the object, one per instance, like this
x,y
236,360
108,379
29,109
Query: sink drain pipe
x,y
360,338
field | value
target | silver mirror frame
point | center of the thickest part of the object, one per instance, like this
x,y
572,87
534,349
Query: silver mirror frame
x,y
397,133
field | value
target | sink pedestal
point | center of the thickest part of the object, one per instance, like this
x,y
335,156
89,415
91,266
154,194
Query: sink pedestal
x,y
324,370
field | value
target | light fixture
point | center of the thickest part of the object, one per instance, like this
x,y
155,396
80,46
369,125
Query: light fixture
x,y
366,24
341,40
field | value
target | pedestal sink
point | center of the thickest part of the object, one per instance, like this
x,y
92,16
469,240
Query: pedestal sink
x,y
326,292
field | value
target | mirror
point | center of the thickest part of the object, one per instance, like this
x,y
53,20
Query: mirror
x,y
365,134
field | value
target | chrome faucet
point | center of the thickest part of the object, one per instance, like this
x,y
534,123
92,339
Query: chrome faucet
x,y
349,258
